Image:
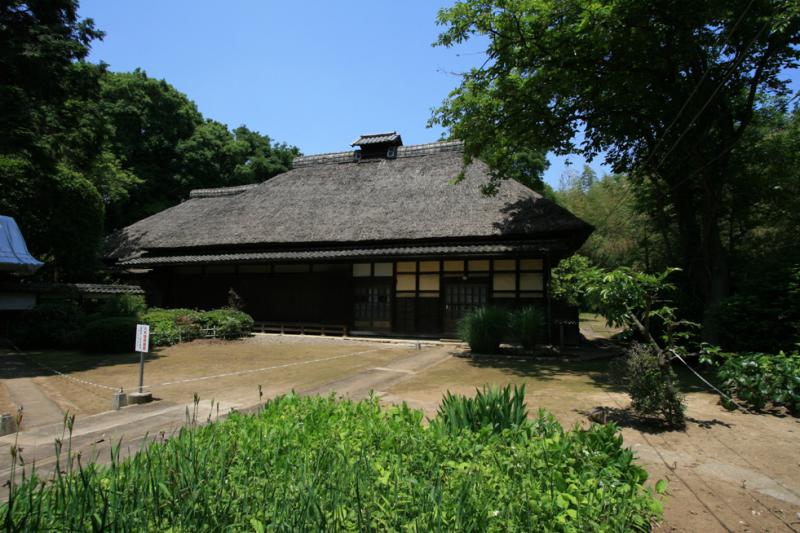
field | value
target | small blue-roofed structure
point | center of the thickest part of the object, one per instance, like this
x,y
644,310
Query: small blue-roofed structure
x,y
14,255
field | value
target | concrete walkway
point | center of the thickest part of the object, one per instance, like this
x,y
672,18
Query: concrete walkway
x,y
135,426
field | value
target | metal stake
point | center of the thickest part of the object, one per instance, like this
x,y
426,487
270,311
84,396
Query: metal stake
x,y
141,372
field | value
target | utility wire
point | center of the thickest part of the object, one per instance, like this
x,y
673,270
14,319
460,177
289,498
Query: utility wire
x,y
652,154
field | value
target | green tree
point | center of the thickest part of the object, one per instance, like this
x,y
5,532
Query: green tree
x,y
624,233
665,91
55,167
83,150
161,138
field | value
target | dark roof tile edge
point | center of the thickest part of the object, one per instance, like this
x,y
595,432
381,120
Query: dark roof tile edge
x,y
220,191
350,253
376,138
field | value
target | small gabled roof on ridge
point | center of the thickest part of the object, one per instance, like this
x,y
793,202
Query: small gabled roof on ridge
x,y
391,137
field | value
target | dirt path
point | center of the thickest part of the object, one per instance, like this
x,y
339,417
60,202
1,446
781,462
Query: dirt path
x,y
37,408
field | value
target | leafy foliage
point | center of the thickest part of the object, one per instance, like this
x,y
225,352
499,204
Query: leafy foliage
x,y
644,379
228,323
110,335
122,305
624,297
304,464
637,301
569,279
492,408
527,326
624,234
161,137
765,314
759,379
171,326
84,150
483,329
51,324
668,102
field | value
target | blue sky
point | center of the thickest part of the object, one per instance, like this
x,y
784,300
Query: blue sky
x,y
314,74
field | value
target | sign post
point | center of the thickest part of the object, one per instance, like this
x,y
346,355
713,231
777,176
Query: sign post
x,y
142,346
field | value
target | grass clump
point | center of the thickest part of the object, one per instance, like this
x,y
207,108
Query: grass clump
x,y
317,464
484,328
527,326
494,408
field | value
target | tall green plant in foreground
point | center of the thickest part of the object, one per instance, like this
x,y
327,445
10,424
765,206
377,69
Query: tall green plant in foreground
x,y
493,407
317,464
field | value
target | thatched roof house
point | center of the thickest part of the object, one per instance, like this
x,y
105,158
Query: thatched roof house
x,y
379,239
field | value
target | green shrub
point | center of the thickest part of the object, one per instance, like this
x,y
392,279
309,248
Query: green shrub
x,y
53,324
121,305
316,464
647,386
492,407
765,314
228,323
110,335
171,326
527,326
761,379
484,329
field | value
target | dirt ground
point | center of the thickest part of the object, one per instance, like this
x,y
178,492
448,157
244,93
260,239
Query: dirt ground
x,y
595,327
6,403
176,373
726,472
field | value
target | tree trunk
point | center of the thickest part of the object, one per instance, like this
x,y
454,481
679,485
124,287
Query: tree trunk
x,y
705,259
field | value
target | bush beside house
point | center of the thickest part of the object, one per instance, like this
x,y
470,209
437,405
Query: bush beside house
x,y
170,326
485,328
110,326
56,324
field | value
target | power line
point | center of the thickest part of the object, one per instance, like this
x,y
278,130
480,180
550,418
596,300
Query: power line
x,y
719,86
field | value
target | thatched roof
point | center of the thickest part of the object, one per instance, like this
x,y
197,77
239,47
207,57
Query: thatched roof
x,y
333,200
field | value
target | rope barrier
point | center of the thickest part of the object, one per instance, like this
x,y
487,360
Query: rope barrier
x,y
203,378
704,380
65,376
264,369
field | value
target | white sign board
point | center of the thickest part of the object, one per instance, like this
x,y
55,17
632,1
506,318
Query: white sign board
x,y
142,337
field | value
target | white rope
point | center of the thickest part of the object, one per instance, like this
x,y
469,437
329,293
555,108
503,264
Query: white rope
x,y
679,358
71,378
265,369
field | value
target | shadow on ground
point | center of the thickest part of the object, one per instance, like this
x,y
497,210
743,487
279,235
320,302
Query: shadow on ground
x,y
626,417
34,363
